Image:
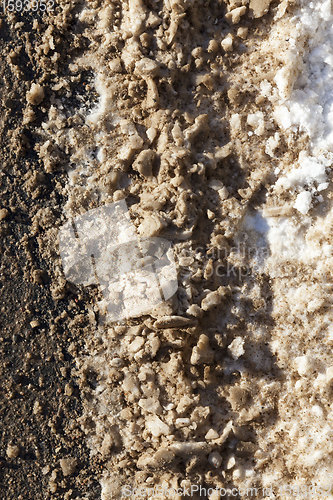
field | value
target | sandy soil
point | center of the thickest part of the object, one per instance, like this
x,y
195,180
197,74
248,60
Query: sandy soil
x,y
168,106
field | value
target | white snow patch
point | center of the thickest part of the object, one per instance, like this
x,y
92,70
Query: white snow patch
x,y
308,106
303,202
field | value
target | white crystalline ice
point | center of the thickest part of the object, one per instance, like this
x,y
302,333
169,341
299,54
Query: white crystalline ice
x,y
308,107
303,202
310,170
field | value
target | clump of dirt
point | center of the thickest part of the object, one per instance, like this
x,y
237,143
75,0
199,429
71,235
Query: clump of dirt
x,y
169,106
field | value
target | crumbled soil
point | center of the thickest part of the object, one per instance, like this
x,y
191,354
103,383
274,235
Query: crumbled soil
x,y
150,400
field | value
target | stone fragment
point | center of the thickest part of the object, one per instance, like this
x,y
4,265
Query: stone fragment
x,y
215,459
242,32
259,7
213,299
157,427
150,405
144,162
12,451
35,95
68,465
136,345
227,43
211,434
233,17
189,448
202,352
174,322
213,46
146,67
3,214
151,225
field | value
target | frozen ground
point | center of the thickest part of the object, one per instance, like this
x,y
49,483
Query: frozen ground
x,y
212,121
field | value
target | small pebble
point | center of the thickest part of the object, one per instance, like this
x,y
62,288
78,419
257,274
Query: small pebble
x,y
68,465
13,451
215,459
3,213
36,94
